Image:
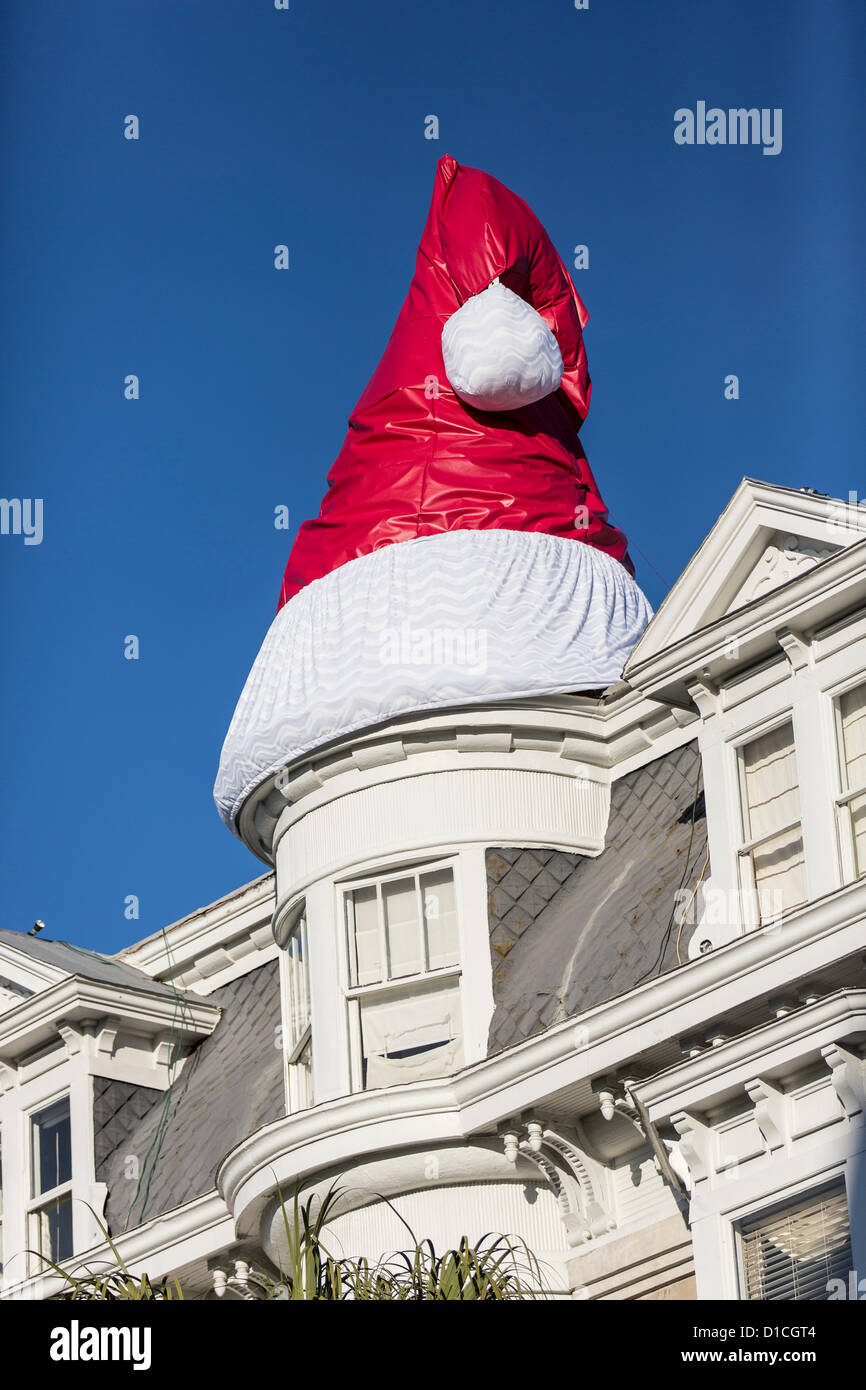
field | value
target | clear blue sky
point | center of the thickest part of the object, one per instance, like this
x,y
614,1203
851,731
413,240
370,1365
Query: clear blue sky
x,y
306,127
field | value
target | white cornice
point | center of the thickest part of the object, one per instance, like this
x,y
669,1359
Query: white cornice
x,y
28,970
554,734
764,1051
79,1001
815,599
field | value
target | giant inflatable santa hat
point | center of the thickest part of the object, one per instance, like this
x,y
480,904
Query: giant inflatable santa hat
x,y
463,552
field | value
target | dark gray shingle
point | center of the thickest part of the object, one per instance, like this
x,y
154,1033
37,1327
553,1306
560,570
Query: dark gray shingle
x,y
607,926
231,1086
75,960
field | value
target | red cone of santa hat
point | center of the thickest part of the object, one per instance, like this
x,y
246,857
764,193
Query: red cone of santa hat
x,y
463,553
423,456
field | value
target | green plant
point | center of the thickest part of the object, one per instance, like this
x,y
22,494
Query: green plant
x,y
495,1269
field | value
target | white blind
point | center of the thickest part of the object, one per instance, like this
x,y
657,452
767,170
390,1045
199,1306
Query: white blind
x,y
411,1036
852,708
772,793
440,918
793,1252
403,927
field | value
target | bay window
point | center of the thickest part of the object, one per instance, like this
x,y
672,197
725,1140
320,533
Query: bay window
x,y
404,976
772,867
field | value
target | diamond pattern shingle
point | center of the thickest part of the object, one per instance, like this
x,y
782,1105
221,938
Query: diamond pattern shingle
x,y
230,1086
607,925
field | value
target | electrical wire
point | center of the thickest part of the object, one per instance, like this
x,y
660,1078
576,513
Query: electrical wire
x,y
667,934
689,903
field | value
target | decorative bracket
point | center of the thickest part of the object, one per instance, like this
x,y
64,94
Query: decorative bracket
x,y
72,1036
846,1074
557,1157
796,649
769,1106
705,694
693,1146
106,1036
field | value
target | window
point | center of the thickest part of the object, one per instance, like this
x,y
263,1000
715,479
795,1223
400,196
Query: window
x,y
851,805
51,1181
404,992
771,855
299,1044
792,1252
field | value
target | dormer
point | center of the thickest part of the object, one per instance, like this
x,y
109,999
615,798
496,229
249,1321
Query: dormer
x,y
765,634
82,1036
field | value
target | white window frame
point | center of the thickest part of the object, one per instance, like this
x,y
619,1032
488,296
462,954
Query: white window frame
x,y
400,985
295,996
747,844
845,793
37,1203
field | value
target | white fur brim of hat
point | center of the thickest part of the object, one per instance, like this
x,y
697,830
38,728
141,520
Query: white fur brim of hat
x,y
463,617
499,353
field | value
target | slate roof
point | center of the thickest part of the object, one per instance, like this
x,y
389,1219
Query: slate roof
x,y
561,948
75,960
231,1086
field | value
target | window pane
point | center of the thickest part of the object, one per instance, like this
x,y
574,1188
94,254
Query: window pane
x,y
52,1147
772,789
780,874
364,926
852,708
53,1229
792,1253
302,1079
857,812
440,918
400,902
298,982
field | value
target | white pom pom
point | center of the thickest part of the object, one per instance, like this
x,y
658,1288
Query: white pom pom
x,y
499,353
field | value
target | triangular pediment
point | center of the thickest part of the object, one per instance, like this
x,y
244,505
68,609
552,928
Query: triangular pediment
x,y
767,536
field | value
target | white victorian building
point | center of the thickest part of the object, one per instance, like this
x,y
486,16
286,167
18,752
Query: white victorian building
x,y
585,969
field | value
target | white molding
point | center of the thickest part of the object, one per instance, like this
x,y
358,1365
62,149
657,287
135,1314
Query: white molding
x,y
453,807
175,953
566,734
800,1036
76,1002
716,573
741,638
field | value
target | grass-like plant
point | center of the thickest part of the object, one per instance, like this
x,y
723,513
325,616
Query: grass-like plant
x,y
496,1268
